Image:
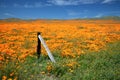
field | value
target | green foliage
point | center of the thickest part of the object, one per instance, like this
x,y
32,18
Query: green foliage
x,y
103,65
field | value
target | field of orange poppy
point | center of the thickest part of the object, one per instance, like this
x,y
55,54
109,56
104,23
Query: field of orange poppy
x,y
71,38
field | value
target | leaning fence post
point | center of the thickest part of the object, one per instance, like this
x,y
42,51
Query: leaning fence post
x,y
38,46
46,48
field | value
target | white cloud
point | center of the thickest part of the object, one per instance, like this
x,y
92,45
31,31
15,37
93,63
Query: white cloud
x,y
88,1
58,3
33,5
63,2
107,1
76,13
99,15
72,2
29,6
26,5
9,14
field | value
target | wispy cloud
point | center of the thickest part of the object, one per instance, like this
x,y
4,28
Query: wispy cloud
x,y
71,2
38,4
77,13
63,2
32,5
108,1
88,1
9,14
78,2
73,13
99,15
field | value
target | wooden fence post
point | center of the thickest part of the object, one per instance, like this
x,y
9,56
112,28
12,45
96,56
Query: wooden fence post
x,y
46,48
38,46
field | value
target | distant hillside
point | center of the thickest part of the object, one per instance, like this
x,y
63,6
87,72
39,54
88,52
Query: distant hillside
x,y
101,18
11,19
15,20
111,17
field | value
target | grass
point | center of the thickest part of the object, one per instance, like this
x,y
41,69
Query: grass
x,y
102,65
27,44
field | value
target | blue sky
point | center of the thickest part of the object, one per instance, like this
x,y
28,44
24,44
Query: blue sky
x,y
58,9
